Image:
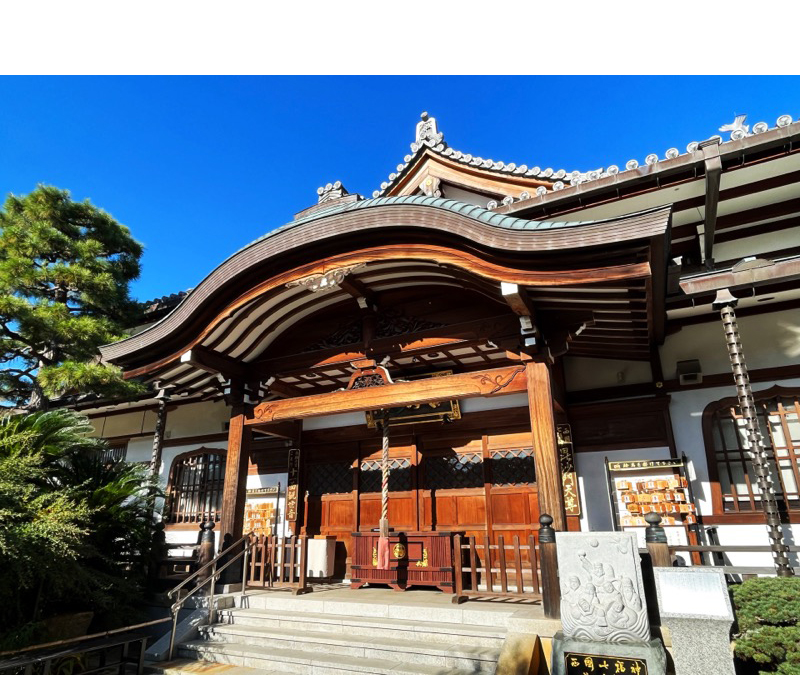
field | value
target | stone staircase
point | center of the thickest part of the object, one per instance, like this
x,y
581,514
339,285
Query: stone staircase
x,y
349,632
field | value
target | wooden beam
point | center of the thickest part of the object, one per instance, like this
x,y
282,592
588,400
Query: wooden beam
x,y
753,274
713,174
517,298
492,382
283,389
288,430
545,450
359,291
214,362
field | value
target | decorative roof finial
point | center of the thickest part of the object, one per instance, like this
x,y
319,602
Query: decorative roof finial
x,y
331,192
427,132
737,128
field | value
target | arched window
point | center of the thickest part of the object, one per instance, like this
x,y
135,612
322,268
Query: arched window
x,y
733,481
195,486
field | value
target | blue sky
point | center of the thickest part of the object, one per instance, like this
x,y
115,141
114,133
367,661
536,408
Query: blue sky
x,y
197,167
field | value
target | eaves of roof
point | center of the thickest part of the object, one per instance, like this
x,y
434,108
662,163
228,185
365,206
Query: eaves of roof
x,y
613,179
485,221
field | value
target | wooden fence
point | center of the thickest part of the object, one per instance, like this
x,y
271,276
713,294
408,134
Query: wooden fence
x,y
278,561
483,569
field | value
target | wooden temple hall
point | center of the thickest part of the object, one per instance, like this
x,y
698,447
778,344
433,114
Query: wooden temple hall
x,y
441,321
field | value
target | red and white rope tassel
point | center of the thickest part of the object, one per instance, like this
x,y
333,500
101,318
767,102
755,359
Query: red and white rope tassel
x,y
383,538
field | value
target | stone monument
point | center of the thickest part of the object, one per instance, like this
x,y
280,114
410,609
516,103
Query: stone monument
x,y
603,607
694,604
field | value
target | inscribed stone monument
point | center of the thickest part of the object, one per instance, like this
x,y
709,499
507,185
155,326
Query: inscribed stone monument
x,y
602,598
694,604
603,607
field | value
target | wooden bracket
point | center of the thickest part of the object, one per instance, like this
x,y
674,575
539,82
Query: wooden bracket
x,y
520,304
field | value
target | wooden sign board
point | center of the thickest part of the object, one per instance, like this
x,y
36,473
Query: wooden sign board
x,y
293,486
580,664
569,478
419,413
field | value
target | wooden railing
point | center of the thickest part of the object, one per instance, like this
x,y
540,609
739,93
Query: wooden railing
x,y
483,569
279,561
663,554
716,556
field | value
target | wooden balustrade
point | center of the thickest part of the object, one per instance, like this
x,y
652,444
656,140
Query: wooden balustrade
x,y
495,570
279,562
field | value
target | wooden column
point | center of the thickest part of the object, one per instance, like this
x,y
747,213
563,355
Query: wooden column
x,y
545,451
235,491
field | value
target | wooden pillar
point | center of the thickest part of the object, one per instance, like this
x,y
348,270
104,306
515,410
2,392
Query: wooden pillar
x,y
545,450
235,491
548,561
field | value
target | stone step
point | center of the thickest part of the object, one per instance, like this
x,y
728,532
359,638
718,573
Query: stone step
x,y
474,658
308,663
487,614
194,667
403,629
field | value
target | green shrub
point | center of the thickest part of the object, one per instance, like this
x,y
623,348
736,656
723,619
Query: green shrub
x,y
768,612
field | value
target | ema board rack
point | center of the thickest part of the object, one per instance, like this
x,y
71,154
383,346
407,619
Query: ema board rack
x,y
639,487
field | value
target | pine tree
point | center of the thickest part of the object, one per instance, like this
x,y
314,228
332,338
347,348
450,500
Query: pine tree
x,y
65,267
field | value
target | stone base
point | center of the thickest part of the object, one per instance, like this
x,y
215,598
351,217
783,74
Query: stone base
x,y
652,653
701,646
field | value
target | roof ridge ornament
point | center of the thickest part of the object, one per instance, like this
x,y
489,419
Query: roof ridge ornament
x,y
331,191
737,128
428,134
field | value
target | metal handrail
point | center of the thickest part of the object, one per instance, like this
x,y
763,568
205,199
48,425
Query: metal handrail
x,y
83,638
207,565
215,572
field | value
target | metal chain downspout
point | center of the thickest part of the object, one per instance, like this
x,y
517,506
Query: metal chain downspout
x,y
725,302
158,434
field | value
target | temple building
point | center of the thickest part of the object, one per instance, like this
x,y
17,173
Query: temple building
x,y
530,340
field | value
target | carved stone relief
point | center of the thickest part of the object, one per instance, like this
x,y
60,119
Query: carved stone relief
x,y
602,597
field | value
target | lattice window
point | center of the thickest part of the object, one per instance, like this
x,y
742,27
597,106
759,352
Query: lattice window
x,y
399,475
196,484
329,479
513,467
445,472
730,450
116,452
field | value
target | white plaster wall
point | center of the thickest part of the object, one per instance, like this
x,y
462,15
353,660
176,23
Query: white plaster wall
x,y
586,373
125,424
197,419
753,246
754,535
194,419
768,340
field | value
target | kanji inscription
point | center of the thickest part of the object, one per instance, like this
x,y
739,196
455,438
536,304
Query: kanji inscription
x,y
591,664
569,479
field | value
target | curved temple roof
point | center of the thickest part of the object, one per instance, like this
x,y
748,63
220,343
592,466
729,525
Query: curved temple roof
x,y
478,225
430,139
